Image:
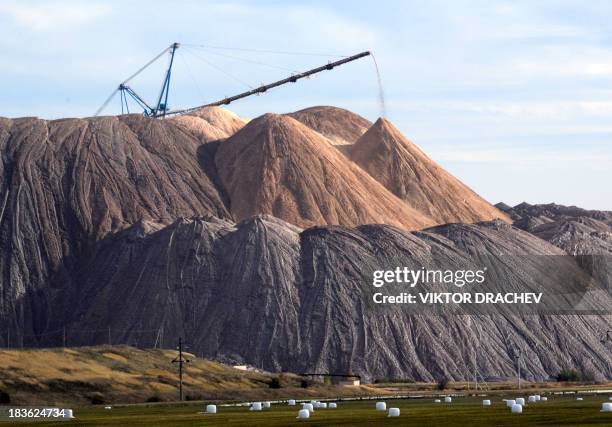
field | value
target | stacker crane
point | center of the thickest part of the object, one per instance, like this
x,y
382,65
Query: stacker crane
x,y
160,109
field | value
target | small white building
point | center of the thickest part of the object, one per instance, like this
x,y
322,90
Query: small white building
x,y
349,382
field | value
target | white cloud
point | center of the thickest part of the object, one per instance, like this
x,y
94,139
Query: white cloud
x,y
48,16
526,156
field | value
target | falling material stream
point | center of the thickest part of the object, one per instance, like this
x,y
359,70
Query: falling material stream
x,y
381,93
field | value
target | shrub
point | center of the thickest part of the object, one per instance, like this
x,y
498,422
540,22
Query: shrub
x,y
96,400
587,376
154,398
194,397
5,398
274,383
568,375
304,384
442,383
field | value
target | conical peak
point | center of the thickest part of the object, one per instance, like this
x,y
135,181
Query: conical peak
x,y
340,126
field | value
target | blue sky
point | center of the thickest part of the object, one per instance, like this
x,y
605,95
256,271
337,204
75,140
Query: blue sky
x,y
514,98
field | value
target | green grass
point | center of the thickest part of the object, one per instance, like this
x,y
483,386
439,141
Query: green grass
x,y
464,412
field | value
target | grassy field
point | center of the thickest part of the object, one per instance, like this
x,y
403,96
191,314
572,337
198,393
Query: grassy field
x,y
129,376
122,374
464,412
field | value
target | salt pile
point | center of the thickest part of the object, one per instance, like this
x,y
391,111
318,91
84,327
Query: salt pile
x,y
394,412
303,414
517,409
211,409
381,406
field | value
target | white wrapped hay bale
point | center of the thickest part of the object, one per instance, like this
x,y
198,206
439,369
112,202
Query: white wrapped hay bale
x,y
381,406
256,406
291,402
544,399
211,409
322,405
579,399
448,399
267,405
520,401
510,403
68,413
333,405
486,402
517,409
606,407
394,412
303,414
437,401
538,397
531,399
308,407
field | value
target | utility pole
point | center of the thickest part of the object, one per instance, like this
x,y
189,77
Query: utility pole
x,y
64,337
518,367
180,360
109,336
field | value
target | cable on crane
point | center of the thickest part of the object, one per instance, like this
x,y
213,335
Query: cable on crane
x,y
252,61
221,70
277,52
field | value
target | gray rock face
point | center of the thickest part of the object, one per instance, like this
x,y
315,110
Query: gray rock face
x,y
269,294
120,229
585,234
67,183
